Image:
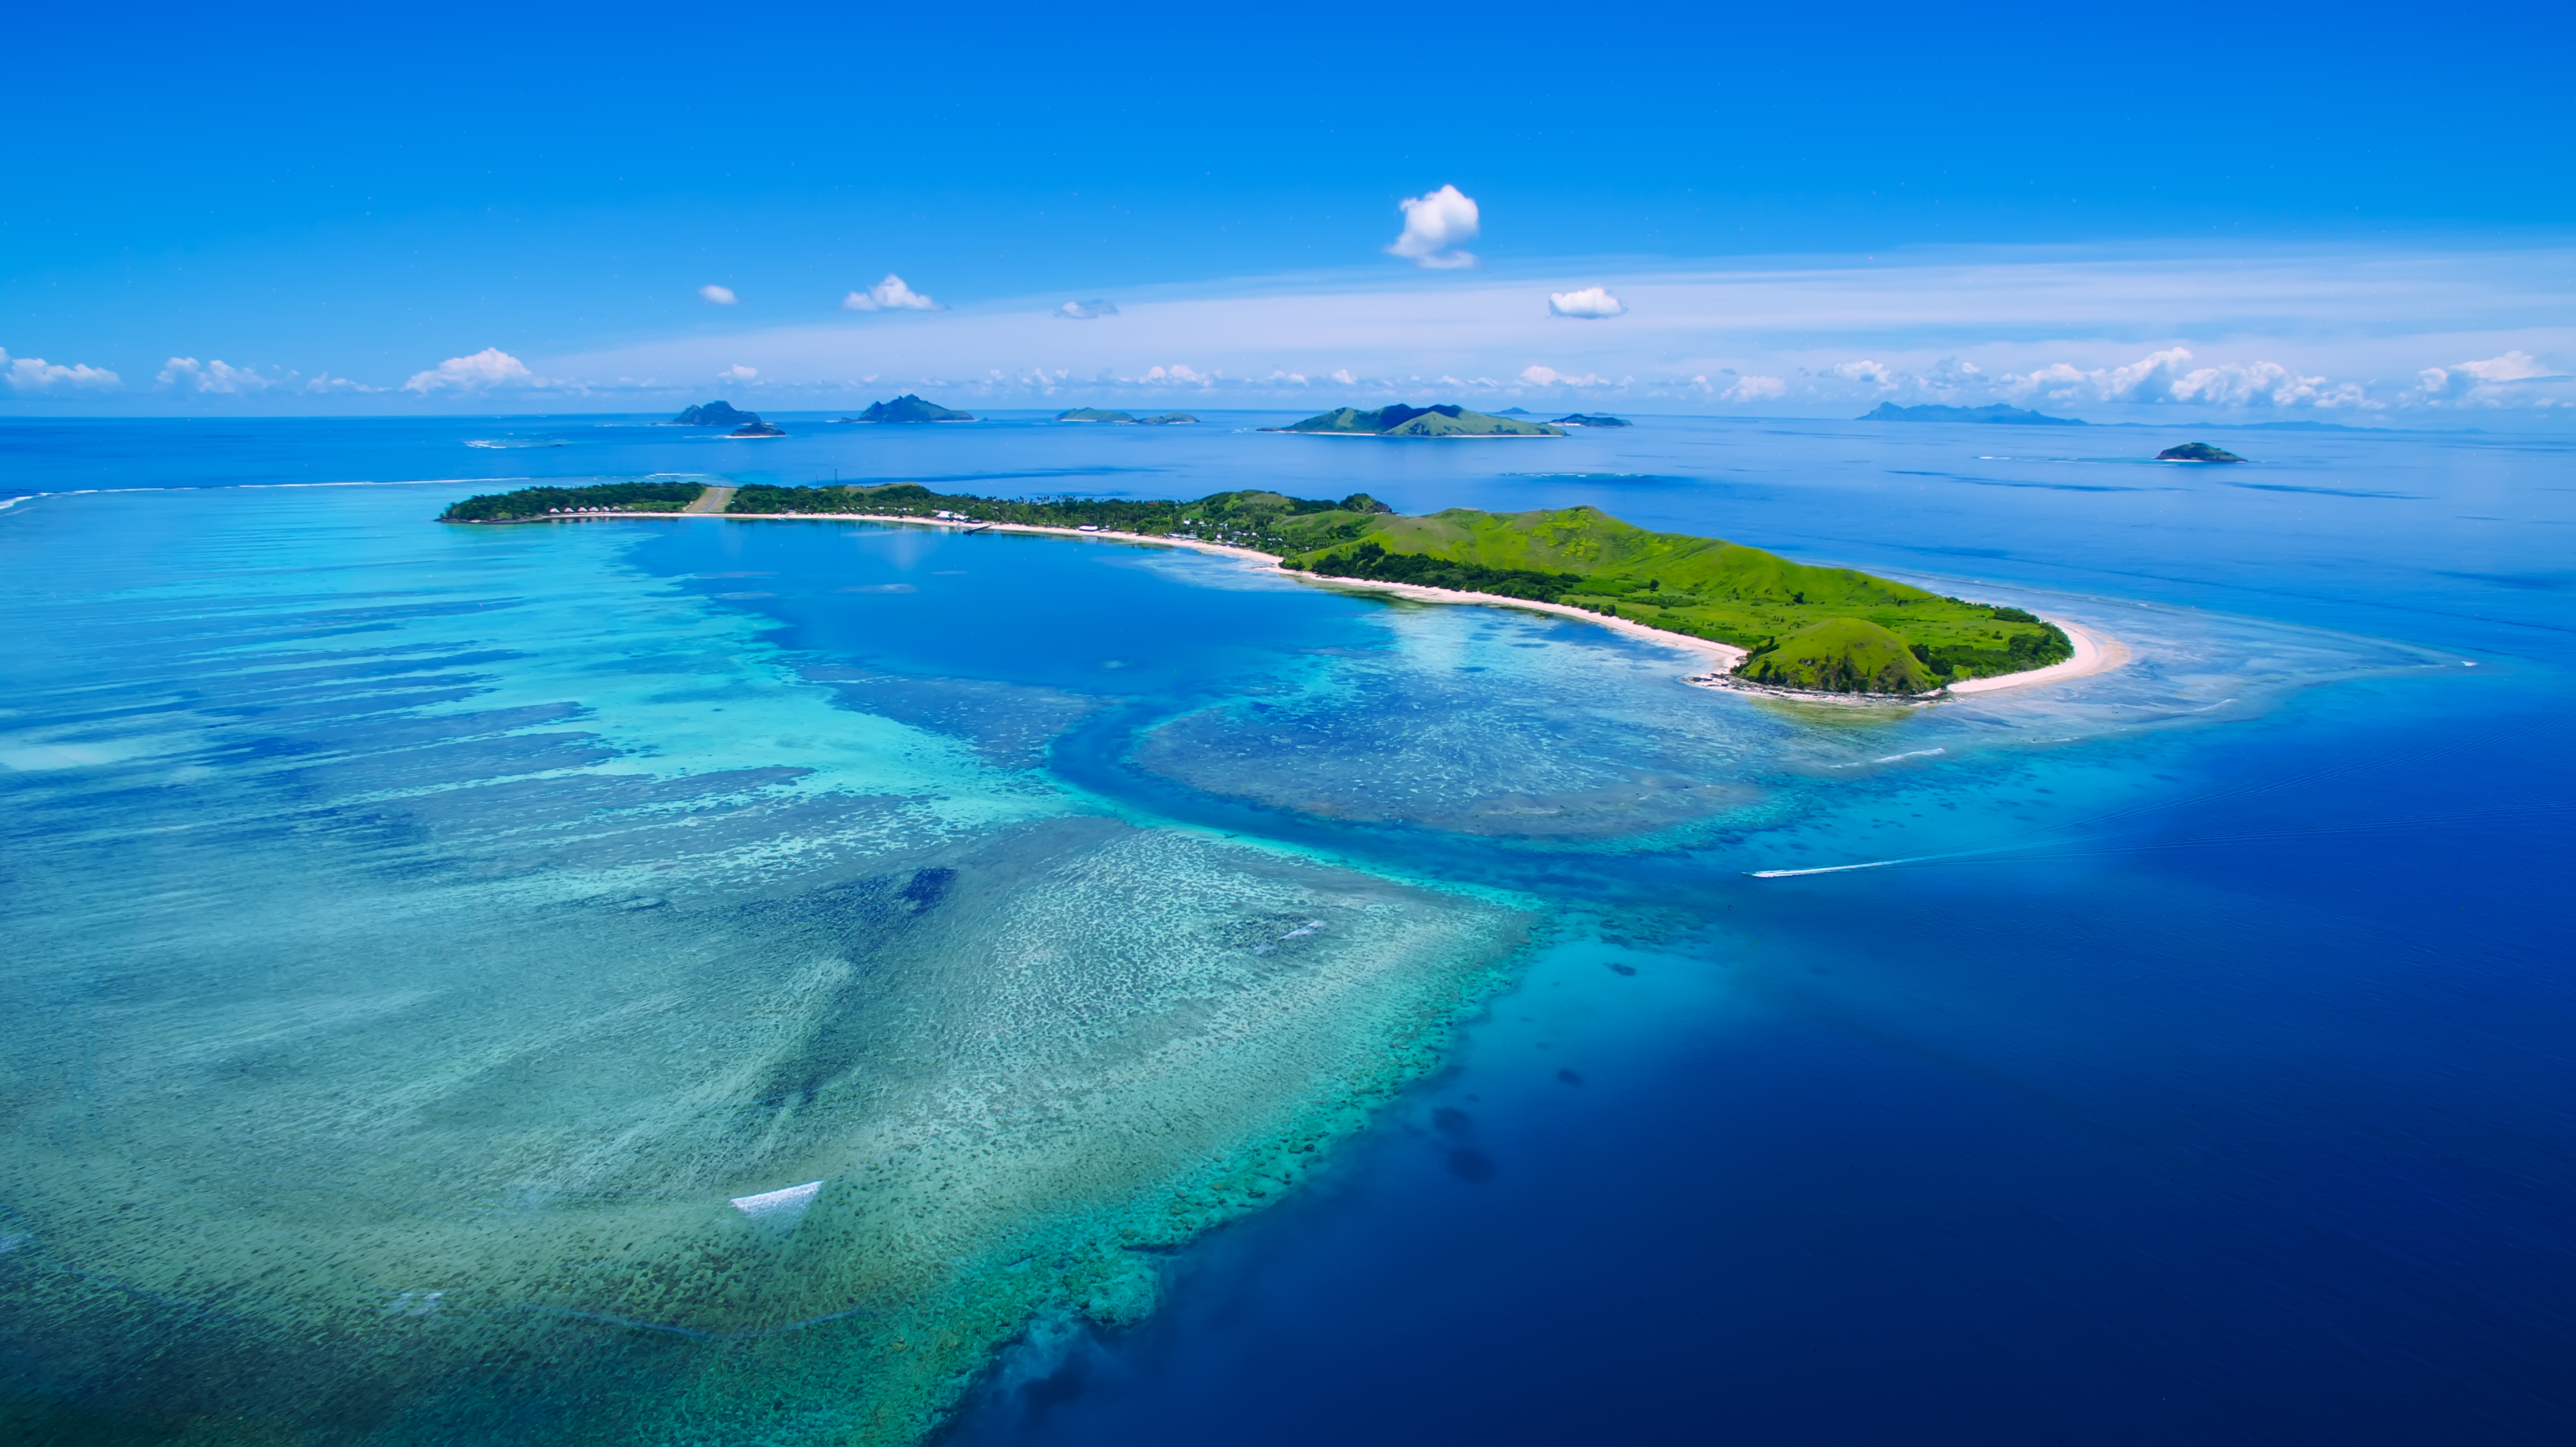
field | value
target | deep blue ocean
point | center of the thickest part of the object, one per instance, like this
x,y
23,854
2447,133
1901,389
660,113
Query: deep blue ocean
x,y
688,980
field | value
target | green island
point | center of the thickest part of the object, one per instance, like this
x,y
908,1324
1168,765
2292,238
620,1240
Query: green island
x,y
2197,452
1804,628
715,414
1399,420
1130,419
908,408
530,503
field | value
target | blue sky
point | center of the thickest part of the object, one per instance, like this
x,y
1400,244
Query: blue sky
x,y
506,208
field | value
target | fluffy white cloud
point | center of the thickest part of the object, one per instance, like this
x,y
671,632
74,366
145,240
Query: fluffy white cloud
x,y
889,295
1176,375
1592,303
717,295
2169,376
1435,227
1550,377
1754,389
2513,366
1083,311
2487,383
35,375
1343,376
486,369
218,378
1864,371
737,373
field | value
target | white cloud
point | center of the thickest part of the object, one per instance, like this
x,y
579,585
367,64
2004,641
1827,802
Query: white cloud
x,y
2168,376
1550,377
1592,303
2056,382
1436,225
2514,366
889,295
187,374
35,374
737,373
1864,371
2488,383
1177,374
488,368
1343,376
1282,378
717,295
1083,311
1754,389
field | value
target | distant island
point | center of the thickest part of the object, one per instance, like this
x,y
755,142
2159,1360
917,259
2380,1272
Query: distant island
x,y
2197,452
757,428
1094,414
716,414
1803,628
908,408
1997,412
1590,419
1398,420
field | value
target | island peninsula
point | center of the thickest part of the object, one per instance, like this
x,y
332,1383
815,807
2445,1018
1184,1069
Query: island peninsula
x,y
1774,624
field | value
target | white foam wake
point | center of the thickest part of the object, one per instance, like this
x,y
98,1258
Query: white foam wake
x,y
782,1207
1823,869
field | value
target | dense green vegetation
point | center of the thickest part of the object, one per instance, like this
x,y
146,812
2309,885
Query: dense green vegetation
x,y
1248,519
537,502
2197,452
1398,420
1830,629
1804,625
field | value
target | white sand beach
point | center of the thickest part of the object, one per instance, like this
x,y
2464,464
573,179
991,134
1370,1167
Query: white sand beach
x,y
2094,652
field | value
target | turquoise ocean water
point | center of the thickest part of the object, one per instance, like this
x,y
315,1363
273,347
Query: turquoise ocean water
x,y
692,981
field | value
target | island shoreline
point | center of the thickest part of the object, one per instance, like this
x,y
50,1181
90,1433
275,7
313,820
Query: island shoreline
x,y
2094,652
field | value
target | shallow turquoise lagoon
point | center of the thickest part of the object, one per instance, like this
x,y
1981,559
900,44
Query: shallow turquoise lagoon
x,y
680,980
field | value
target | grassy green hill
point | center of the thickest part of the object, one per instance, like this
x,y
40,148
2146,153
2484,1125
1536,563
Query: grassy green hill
x,y
1831,629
